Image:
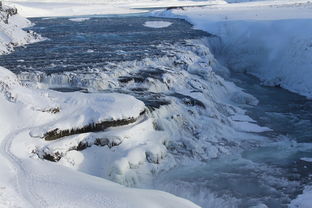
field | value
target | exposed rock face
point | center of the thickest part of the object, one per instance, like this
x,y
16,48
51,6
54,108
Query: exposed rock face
x,y
93,127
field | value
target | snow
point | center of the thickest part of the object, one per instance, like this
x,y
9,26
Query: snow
x,y
27,181
43,184
269,39
303,200
141,149
157,24
129,154
92,108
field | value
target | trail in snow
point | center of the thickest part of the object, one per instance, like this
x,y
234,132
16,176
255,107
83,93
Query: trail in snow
x,y
24,180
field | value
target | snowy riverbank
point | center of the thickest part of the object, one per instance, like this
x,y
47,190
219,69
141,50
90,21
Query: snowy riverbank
x,y
269,39
48,8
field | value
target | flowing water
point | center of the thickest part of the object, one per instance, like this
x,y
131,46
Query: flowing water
x,y
270,174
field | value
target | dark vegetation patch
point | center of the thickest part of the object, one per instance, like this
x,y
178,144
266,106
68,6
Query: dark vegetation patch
x,y
52,156
52,110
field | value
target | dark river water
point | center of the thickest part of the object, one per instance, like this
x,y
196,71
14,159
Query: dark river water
x,y
270,174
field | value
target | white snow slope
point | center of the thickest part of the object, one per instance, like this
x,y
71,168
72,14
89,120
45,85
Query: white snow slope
x,y
29,182
46,8
270,39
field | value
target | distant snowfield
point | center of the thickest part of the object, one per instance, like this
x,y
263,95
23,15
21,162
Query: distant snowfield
x,y
45,8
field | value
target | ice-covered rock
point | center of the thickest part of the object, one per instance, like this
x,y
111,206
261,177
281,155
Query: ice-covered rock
x,y
11,30
157,24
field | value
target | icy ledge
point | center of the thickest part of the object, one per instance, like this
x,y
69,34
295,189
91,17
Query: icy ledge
x,y
97,112
44,184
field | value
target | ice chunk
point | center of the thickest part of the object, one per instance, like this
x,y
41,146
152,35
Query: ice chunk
x,y
157,24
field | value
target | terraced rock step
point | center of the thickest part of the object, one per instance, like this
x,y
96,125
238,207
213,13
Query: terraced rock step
x,y
93,127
